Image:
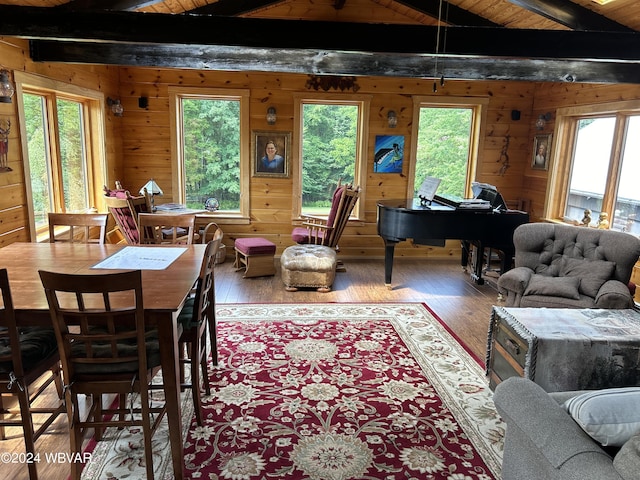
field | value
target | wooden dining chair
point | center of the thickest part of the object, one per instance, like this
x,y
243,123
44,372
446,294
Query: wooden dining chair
x,y
159,228
197,316
26,355
78,227
105,349
125,209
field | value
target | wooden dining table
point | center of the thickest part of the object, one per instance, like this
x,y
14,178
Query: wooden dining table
x,y
164,294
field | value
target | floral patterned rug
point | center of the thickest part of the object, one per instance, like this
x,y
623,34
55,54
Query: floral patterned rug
x,y
333,392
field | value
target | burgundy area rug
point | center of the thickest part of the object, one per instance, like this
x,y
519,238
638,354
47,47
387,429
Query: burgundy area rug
x,y
343,391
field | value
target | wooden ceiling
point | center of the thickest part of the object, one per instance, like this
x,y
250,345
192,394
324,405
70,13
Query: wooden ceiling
x,y
535,40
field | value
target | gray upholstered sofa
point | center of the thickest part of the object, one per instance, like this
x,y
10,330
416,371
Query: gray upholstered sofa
x,y
565,266
543,442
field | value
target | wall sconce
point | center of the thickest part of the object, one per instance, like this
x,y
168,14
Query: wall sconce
x,y
392,118
6,87
152,189
116,106
271,115
542,120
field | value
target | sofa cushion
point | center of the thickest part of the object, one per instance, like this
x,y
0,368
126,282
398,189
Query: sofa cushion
x,y
627,460
611,416
566,287
592,273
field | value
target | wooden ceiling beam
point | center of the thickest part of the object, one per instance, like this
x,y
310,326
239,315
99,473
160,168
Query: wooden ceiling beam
x,y
116,5
148,28
571,15
230,58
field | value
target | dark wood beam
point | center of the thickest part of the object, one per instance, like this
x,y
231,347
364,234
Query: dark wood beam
x,y
116,5
453,14
233,58
232,8
571,15
148,28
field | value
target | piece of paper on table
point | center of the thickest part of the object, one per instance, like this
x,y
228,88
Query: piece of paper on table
x,y
141,258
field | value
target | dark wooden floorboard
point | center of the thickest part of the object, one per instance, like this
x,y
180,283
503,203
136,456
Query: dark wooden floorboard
x,y
441,284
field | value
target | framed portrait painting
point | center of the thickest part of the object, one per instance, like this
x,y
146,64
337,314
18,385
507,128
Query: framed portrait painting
x,y
541,152
270,154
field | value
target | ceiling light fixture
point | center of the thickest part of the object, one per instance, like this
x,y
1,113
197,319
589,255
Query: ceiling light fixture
x,y
602,2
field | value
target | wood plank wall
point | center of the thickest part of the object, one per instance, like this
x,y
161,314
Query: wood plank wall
x,y
14,217
138,144
147,147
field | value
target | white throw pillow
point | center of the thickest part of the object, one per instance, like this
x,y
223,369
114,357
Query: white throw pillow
x,y
610,416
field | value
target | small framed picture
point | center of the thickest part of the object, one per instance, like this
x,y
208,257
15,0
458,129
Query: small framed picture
x,y
541,152
389,154
270,154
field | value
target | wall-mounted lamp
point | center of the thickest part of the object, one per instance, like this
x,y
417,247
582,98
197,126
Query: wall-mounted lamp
x,y
6,87
542,120
271,115
392,118
152,189
116,106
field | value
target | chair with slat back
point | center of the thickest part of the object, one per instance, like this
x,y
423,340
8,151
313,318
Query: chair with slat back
x,y
80,227
327,231
197,316
125,209
26,354
158,228
105,349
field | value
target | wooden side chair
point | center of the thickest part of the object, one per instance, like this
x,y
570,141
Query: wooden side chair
x,y
125,209
197,316
105,349
26,355
161,228
84,223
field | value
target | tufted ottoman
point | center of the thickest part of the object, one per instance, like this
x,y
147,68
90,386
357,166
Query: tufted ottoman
x,y
255,255
308,266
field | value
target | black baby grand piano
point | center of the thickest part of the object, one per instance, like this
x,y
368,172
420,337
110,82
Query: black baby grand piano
x,y
481,226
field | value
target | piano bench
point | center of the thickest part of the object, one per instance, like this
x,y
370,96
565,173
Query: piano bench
x,y
308,266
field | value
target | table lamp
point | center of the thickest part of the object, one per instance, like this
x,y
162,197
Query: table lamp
x,y
153,189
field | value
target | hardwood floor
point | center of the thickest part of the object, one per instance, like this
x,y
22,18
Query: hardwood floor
x,y
441,284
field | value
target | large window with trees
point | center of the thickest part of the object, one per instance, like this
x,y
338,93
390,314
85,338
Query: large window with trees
x,y
210,142
446,141
596,165
330,140
62,144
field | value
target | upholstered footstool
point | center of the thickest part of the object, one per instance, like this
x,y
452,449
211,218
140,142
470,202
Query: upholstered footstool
x,y
255,256
311,266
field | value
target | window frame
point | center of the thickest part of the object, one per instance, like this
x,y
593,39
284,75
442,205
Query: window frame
x,y
176,94
94,111
563,150
478,106
363,102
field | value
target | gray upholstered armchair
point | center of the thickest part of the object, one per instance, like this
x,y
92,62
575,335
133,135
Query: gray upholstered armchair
x,y
566,266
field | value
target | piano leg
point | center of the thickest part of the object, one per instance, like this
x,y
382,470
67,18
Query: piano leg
x,y
476,267
389,248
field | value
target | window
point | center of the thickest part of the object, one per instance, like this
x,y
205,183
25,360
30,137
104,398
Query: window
x,y
210,144
64,159
330,139
596,166
446,139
